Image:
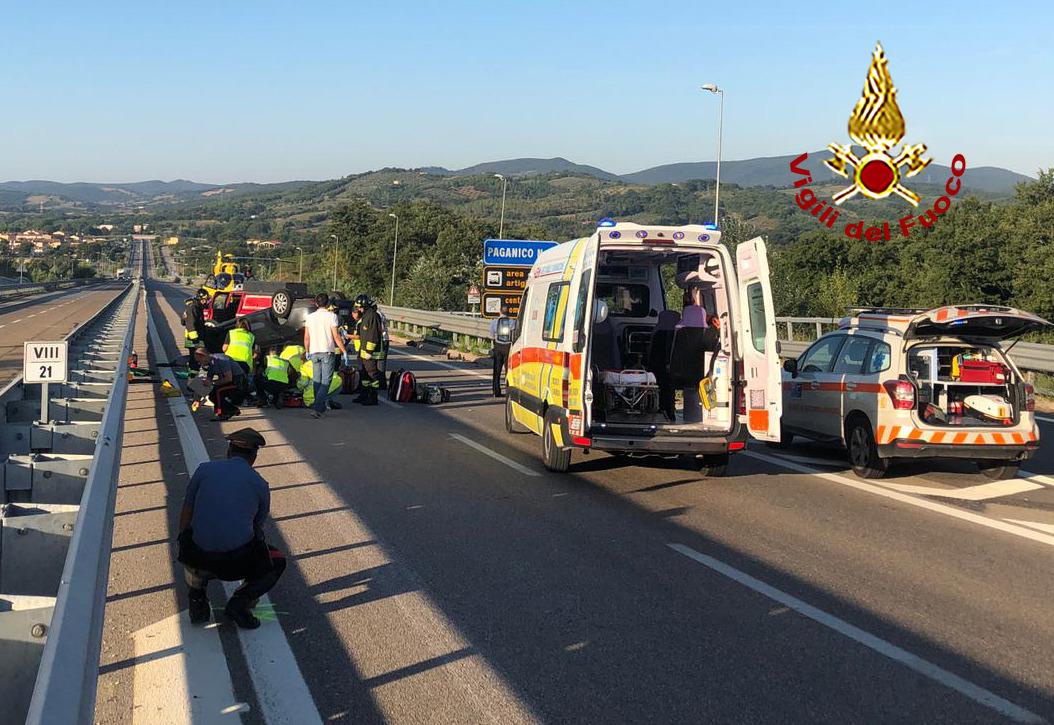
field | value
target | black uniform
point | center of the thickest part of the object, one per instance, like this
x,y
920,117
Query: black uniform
x,y
371,352
194,329
503,332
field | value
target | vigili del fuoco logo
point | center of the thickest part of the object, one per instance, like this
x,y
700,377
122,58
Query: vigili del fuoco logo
x,y
877,126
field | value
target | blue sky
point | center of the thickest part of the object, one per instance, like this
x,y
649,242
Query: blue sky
x,y
227,91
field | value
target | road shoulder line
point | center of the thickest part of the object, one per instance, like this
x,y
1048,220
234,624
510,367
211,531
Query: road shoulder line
x,y
913,662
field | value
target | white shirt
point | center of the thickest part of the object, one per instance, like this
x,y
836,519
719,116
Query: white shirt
x,y
319,325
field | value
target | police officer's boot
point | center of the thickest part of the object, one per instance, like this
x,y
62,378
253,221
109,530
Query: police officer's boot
x,y
200,610
238,609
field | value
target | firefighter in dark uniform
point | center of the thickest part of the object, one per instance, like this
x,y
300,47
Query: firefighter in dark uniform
x,y
370,332
194,326
221,532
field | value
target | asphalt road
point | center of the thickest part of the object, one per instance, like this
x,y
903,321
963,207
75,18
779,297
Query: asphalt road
x,y
48,316
439,574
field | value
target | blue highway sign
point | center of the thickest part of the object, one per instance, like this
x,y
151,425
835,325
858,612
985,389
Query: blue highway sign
x,y
513,252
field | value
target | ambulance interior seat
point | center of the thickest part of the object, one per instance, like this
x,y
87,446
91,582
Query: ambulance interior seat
x,y
660,343
687,357
605,346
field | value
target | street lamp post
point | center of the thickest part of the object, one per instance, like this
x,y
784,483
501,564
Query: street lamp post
x,y
501,223
301,275
336,248
395,252
712,88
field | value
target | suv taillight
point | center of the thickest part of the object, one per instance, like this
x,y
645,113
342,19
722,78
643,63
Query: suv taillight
x,y
1030,398
902,393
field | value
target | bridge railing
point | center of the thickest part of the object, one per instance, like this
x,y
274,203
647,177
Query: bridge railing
x,y
58,464
795,334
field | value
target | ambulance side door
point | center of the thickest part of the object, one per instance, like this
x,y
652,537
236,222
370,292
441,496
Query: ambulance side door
x,y
581,391
761,362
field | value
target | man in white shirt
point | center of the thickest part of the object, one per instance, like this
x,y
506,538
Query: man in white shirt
x,y
321,341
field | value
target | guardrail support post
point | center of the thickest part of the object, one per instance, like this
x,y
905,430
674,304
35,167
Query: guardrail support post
x,y
790,330
819,330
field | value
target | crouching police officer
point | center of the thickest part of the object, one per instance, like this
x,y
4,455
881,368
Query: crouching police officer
x,y
221,532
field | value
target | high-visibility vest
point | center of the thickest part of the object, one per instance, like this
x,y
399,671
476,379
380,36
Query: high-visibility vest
x,y
240,346
277,369
190,338
307,385
294,355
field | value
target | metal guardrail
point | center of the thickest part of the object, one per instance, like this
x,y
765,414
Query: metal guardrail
x,y
1027,356
57,478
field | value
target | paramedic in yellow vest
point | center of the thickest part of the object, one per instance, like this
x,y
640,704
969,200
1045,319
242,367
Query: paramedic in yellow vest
x,y
239,346
307,387
194,326
371,350
294,355
275,377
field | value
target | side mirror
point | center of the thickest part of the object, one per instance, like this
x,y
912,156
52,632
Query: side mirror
x,y
600,311
791,366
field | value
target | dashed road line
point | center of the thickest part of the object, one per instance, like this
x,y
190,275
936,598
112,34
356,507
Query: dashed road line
x,y
887,649
495,455
923,503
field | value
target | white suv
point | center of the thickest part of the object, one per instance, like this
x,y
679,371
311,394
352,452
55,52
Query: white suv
x,y
895,383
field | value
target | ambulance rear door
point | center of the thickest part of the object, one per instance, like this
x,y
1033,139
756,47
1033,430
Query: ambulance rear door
x,y
580,394
761,361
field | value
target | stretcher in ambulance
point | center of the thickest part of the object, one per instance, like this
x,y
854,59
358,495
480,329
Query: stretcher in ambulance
x,y
646,341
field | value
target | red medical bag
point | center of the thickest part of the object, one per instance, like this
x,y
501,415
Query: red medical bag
x,y
983,372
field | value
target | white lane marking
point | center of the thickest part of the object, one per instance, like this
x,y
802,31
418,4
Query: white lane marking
x,y
1049,528
887,649
279,685
1037,478
495,455
983,492
440,363
15,322
180,674
922,503
1045,419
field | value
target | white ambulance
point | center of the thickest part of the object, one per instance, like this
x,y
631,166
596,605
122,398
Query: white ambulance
x,y
601,332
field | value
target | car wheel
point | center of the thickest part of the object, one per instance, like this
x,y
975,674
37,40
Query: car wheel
x,y
511,424
863,451
281,304
998,470
555,458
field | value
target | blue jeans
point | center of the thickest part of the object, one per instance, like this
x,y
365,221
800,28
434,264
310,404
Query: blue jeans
x,y
323,365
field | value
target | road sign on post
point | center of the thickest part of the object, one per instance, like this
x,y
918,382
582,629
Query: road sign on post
x,y
513,252
473,295
45,362
505,279
493,301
